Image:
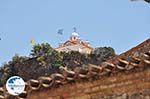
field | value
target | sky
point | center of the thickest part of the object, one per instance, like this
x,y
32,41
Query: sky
x,y
120,24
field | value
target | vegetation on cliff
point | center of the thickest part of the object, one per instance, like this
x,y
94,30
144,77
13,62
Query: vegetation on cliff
x,y
44,60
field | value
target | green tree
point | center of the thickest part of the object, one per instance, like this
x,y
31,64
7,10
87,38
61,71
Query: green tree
x,y
41,49
18,59
46,55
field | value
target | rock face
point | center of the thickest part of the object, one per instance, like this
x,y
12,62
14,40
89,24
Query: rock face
x,y
123,77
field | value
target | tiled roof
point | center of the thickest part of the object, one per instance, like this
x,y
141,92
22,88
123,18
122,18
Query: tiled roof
x,y
76,42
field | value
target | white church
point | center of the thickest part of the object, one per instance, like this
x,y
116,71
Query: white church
x,y
75,44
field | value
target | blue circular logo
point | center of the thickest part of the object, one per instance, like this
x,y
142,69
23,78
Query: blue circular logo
x,y
15,85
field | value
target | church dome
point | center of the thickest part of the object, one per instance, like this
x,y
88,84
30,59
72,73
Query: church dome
x,y
75,34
